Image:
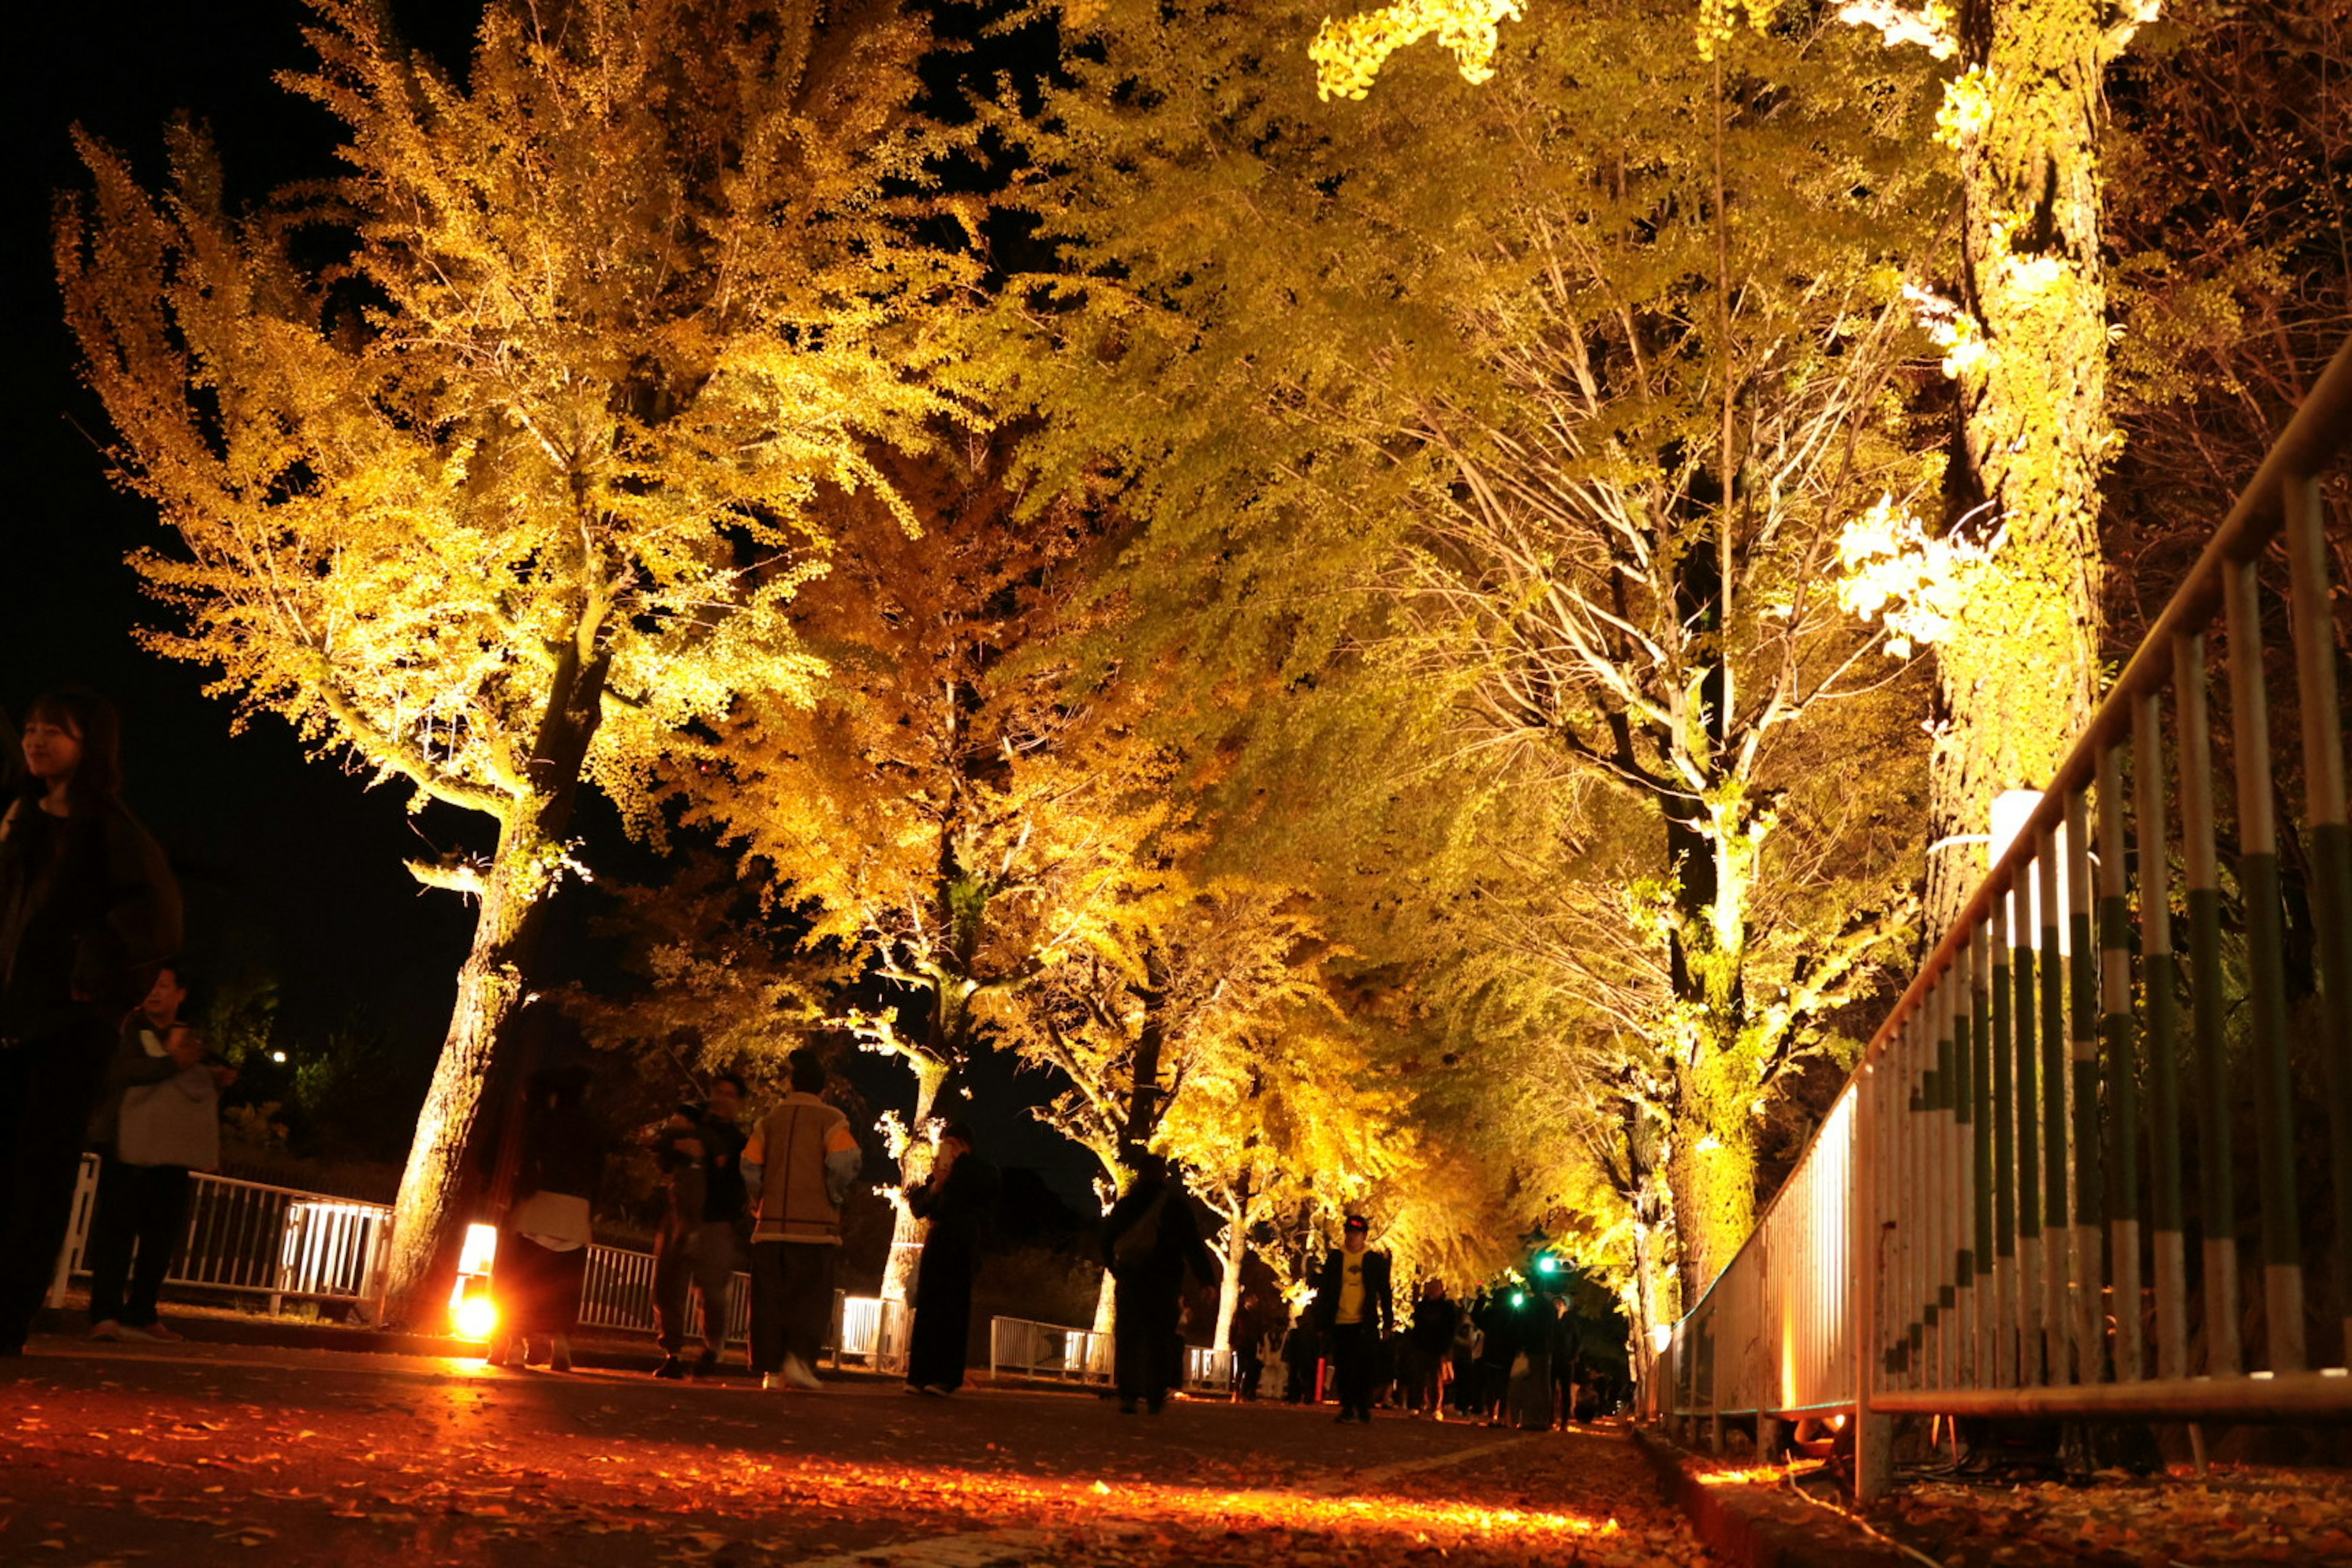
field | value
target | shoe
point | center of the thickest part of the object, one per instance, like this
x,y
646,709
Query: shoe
x,y
108,1329
796,1372
1155,1406
671,1369
560,1358
134,1331
1127,1407
707,1365
1344,1417
772,1383
500,1352
166,1333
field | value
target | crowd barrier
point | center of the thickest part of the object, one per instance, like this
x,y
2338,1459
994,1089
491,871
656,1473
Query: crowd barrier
x,y
2033,1197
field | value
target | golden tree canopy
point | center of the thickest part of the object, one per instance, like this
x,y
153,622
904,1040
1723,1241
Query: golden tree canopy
x,y
544,388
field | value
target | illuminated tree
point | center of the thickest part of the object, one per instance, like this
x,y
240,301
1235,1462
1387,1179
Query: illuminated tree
x,y
958,810
1565,408
2026,340
2027,343
1211,1037
494,464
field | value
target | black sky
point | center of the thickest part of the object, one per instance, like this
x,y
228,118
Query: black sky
x,y
288,863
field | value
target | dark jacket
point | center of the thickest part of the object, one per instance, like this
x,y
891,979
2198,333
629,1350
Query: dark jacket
x,y
1178,1244
961,1208
1380,1302
563,1152
1434,1319
709,1186
88,911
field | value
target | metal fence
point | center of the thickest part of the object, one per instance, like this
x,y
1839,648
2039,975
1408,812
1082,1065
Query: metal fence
x,y
1997,1216
249,1238
252,1240
1018,1347
1021,1348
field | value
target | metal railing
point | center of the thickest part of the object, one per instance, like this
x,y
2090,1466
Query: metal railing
x,y
250,1239
1051,1352
1018,1347
1996,1216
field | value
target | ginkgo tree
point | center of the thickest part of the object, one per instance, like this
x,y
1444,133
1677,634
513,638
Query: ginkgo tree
x,y
1211,1037
1526,441
961,808
493,464
2026,328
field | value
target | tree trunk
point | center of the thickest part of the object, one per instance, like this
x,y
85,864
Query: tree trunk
x,y
2017,674
907,1232
1106,1307
1229,1289
443,1184
1654,1298
1711,1157
1711,1174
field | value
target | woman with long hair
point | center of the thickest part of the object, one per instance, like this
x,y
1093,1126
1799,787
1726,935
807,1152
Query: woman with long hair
x,y
89,911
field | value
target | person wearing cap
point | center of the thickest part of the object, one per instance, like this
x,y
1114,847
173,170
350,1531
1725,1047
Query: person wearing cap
x,y
1355,1309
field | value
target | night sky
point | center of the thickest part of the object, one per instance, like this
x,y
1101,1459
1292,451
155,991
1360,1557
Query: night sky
x,y
287,862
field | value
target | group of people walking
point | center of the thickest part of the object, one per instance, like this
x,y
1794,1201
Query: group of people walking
x,y
770,1196
1510,1355
95,1053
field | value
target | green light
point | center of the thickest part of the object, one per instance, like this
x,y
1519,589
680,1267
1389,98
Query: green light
x,y
1546,1264
1518,1297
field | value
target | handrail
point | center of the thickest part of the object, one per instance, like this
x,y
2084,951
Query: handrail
x,y
2320,432
1992,1124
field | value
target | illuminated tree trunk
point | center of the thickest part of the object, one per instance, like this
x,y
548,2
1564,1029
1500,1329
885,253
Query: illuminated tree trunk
x,y
1106,1305
907,1232
2018,671
444,1184
1229,1288
1711,1157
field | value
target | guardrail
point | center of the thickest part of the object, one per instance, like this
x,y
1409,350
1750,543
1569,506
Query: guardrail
x,y
1020,1347
250,1239
1995,1218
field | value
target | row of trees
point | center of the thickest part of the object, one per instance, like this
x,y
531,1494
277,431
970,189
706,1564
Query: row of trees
x,y
1409,650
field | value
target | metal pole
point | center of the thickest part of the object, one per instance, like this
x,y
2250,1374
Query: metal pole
x,y
2331,845
1874,1435
2032,1362
2258,879
2119,1040
2207,1012
2156,980
2083,1044
2061,1273
2005,1288
1989,1280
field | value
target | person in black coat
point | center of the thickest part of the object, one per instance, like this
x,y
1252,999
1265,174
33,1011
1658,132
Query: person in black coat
x,y
542,1260
1434,1317
1355,1307
1149,1238
89,911
960,1201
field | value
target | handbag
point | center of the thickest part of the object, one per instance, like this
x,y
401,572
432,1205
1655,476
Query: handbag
x,y
175,1122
